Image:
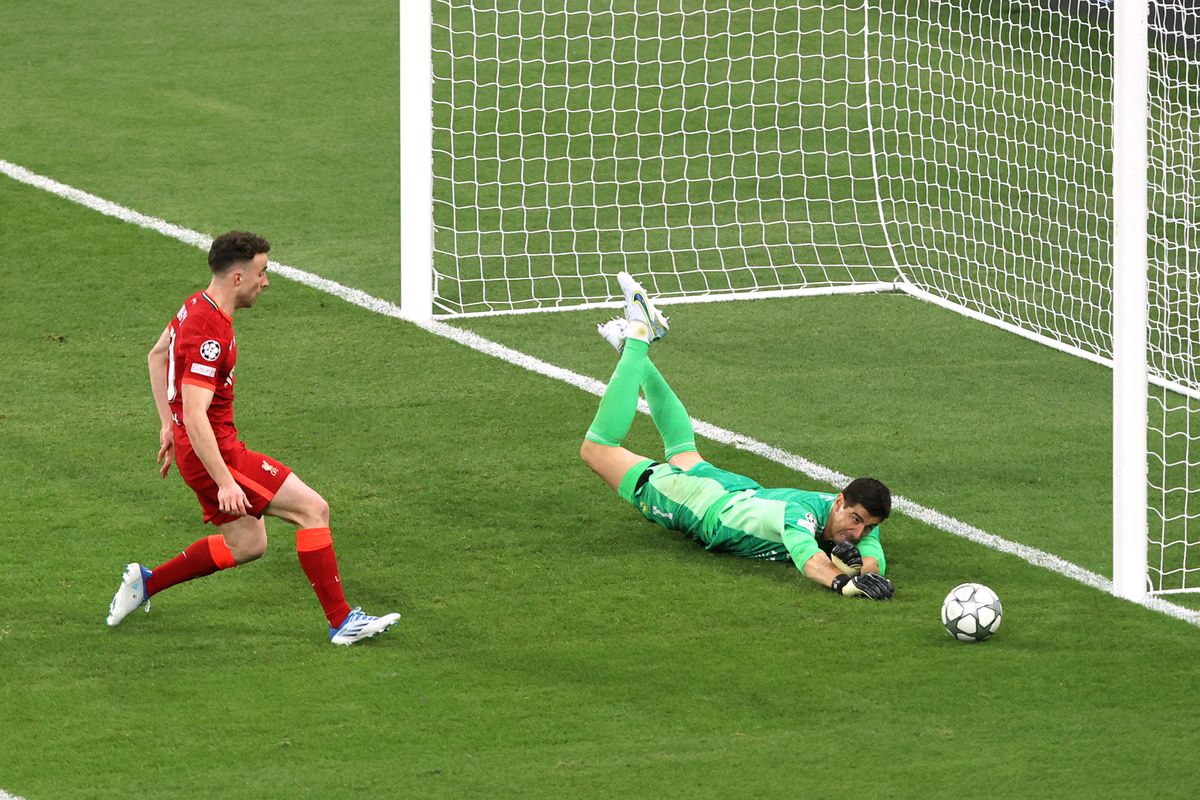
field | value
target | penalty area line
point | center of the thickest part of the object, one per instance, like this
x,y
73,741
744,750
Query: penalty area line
x,y
936,519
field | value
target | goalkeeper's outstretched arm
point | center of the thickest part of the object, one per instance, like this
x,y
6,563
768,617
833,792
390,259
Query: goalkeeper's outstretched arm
x,y
820,568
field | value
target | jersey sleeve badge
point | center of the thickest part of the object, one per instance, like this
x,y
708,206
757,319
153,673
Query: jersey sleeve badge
x,y
210,350
809,523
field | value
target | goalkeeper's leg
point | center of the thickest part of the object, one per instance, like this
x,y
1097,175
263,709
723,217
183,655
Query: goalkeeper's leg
x,y
671,419
601,449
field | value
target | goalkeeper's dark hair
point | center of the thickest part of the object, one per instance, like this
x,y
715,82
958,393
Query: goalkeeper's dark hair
x,y
871,494
233,248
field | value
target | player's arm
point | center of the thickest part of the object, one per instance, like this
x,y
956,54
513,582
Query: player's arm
x,y
820,569
861,565
196,400
159,362
816,566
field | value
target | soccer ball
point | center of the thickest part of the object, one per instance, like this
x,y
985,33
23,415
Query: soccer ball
x,y
971,612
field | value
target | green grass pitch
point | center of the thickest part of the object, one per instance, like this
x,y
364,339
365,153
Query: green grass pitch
x,y
553,644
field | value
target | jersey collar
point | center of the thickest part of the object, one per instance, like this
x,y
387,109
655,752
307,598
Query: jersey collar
x,y
213,303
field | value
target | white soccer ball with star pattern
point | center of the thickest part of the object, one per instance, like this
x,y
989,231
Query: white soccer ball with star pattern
x,y
971,612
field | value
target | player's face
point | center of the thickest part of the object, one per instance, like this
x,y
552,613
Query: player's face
x,y
848,523
253,279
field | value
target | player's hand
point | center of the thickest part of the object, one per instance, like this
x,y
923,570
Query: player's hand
x,y
847,558
166,450
232,500
870,585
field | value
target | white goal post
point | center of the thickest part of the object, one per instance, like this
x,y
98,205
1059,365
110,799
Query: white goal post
x,y
1130,296
1032,164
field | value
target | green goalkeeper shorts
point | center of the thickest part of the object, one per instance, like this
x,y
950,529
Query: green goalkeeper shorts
x,y
691,501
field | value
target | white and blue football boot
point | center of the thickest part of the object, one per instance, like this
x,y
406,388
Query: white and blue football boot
x,y
130,595
640,309
359,626
613,332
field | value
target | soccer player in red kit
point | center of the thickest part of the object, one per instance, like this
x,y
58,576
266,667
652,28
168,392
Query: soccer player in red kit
x,y
192,378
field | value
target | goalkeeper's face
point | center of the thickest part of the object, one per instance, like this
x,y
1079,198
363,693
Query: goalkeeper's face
x,y
848,523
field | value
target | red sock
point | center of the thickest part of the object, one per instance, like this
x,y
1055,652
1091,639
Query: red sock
x,y
314,546
202,557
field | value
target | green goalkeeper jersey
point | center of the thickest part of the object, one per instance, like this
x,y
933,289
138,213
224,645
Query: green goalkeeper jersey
x,y
732,513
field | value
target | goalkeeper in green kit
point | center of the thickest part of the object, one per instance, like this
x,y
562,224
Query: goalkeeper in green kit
x,y
832,539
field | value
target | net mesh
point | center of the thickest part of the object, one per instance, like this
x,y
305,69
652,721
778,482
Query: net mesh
x,y
1174,334
708,147
995,142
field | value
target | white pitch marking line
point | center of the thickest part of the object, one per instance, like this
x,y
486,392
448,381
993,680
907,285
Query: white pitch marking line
x,y
1031,555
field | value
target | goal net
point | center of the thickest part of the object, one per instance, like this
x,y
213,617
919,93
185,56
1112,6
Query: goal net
x,y
995,176
996,143
709,147
958,151
1174,303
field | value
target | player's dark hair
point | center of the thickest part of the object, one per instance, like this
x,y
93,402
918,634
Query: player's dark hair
x,y
871,494
233,248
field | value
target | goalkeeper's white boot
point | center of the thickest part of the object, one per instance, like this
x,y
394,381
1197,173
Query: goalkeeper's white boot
x,y
640,309
359,626
613,332
130,595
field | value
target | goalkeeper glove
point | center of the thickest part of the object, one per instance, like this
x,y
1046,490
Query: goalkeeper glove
x,y
847,558
870,585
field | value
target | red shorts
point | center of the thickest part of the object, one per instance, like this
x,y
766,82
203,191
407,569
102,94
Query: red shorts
x,y
259,475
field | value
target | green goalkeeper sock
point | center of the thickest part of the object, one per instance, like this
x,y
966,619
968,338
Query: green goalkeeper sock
x,y
618,407
670,417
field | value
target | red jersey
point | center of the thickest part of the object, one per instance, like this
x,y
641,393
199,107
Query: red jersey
x,y
203,352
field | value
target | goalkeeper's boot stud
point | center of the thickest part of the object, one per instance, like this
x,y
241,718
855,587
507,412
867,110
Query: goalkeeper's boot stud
x,y
613,332
359,626
130,595
639,307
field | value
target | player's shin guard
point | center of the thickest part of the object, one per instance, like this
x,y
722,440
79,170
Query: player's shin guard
x,y
670,417
202,557
618,407
314,547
